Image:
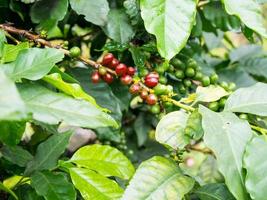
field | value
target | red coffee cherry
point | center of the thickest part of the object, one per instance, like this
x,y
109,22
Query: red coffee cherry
x,y
152,75
151,99
131,71
121,69
95,77
114,63
144,94
135,88
126,80
151,82
107,59
108,78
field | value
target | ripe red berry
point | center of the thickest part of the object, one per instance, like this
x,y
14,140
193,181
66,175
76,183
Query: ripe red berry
x,y
151,82
151,99
108,78
131,71
144,94
95,77
114,63
152,75
135,88
126,80
107,59
121,69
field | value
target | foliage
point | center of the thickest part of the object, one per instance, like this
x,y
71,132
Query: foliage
x,y
133,100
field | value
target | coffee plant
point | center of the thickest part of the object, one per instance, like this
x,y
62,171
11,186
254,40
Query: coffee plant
x,y
133,99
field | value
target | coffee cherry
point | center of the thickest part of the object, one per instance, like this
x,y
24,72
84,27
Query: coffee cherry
x,y
187,82
135,88
152,75
95,77
121,69
243,116
144,94
224,85
163,80
75,51
182,89
191,63
177,63
102,71
167,105
151,99
171,68
205,81
231,86
198,76
169,89
179,74
107,59
160,89
143,72
131,71
214,106
160,69
190,72
151,82
155,109
214,78
126,79
108,78
114,63
222,102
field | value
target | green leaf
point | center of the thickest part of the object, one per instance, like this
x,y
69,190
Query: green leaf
x,y
10,52
105,160
170,129
133,11
48,152
40,101
170,21
72,89
214,191
141,128
158,178
210,93
244,52
33,63
12,106
2,187
93,186
16,155
249,100
48,9
249,12
53,186
193,126
227,136
256,168
118,26
138,56
11,131
94,11
256,66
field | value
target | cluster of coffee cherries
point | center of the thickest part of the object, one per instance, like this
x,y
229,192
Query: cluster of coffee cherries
x,y
123,71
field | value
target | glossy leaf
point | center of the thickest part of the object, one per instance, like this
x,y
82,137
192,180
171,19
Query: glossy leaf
x,y
94,11
118,26
10,52
227,136
170,21
17,155
12,106
215,191
94,186
72,89
53,186
249,100
141,127
33,63
40,101
11,131
170,129
256,168
210,93
3,188
158,178
48,152
12,181
132,10
105,160
249,12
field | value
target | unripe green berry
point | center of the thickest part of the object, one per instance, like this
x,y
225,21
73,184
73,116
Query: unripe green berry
x,y
243,116
190,72
179,74
155,109
214,78
143,72
75,51
231,86
160,89
214,106
182,89
187,82
160,69
198,76
222,102
163,80
205,81
224,85
191,63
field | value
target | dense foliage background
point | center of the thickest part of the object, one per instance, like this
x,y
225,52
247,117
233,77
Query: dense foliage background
x,y
133,99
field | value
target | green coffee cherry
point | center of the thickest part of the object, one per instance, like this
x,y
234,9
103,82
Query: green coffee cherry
x,y
160,69
143,72
191,63
179,74
205,81
160,89
214,106
75,51
231,86
155,109
198,76
222,102
182,89
169,89
214,78
171,68
224,85
243,116
190,72
187,82
176,62
163,80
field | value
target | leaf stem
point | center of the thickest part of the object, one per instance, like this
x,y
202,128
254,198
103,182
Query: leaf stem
x,y
177,103
259,129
